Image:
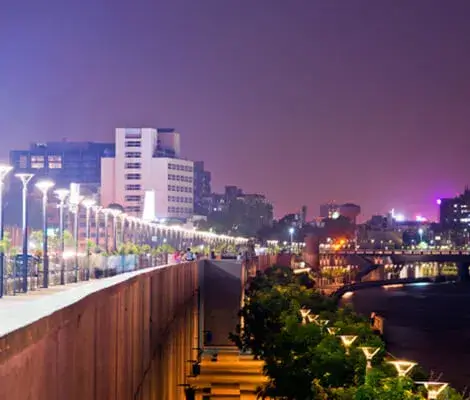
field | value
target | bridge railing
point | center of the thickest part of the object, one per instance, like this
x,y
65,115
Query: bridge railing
x,y
393,252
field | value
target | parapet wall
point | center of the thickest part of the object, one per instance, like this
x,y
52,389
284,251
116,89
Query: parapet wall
x,y
131,340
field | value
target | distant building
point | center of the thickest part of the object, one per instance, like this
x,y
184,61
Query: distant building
x,y
350,211
328,210
202,187
146,164
64,162
454,213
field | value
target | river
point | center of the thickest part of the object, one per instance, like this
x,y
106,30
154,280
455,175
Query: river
x,y
426,323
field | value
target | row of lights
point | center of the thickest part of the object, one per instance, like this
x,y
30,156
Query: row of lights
x,y
75,201
403,368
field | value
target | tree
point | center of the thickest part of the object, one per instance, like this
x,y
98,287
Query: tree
x,y
304,362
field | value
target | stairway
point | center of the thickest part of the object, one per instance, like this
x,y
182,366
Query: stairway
x,y
232,376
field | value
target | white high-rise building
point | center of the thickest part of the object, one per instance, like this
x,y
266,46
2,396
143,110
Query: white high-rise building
x,y
147,164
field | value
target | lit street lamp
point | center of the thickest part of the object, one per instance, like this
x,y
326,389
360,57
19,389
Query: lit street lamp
x,y
347,341
434,389
106,212
369,353
4,171
44,186
304,313
97,210
115,213
402,367
25,179
291,233
88,203
420,232
62,194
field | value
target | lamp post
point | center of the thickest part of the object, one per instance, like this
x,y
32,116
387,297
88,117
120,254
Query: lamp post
x,y
62,195
403,367
106,212
97,210
420,232
25,179
88,203
347,341
123,217
291,233
115,213
434,389
44,186
4,171
369,354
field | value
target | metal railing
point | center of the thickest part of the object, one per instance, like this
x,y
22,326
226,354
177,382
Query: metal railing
x,y
67,271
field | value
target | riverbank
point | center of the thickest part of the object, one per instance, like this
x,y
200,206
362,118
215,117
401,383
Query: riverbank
x,y
426,323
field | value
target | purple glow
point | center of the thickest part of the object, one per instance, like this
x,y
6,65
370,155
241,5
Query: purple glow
x,y
438,201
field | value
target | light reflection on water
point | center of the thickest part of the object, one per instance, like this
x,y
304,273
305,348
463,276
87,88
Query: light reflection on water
x,y
429,324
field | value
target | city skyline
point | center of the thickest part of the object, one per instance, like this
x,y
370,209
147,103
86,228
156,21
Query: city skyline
x,y
303,102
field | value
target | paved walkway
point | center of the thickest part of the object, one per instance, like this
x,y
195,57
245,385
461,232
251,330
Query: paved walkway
x,y
232,376
24,309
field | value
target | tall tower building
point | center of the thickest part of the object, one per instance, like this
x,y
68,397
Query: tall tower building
x,y
147,160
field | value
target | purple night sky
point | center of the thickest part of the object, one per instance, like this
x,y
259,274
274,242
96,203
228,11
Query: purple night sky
x,y
302,100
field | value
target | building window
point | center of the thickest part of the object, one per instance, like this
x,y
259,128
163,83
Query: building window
x,y
133,154
133,187
133,198
133,135
133,209
133,165
37,162
133,177
54,162
133,143
23,162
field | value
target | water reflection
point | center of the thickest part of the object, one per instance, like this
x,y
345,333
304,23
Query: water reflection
x,y
426,323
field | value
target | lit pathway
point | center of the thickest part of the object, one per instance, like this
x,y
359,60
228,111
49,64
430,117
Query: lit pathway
x,y
232,376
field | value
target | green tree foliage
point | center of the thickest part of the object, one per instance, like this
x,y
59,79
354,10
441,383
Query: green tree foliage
x,y
302,360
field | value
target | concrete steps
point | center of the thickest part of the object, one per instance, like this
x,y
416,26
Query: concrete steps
x,y
232,376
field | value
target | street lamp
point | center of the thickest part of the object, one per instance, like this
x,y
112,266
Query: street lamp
x,y
88,203
25,179
97,210
369,354
106,212
434,389
402,367
115,213
4,171
304,313
291,233
420,232
333,330
44,186
347,341
62,195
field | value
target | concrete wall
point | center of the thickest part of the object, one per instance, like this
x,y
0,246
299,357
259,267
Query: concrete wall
x,y
128,341
221,291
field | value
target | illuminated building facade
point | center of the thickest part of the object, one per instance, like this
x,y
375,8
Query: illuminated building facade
x,y
147,163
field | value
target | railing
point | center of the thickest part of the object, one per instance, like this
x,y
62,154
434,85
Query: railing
x,y
395,252
62,272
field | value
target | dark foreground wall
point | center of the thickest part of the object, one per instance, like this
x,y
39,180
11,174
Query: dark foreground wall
x,y
129,341
221,290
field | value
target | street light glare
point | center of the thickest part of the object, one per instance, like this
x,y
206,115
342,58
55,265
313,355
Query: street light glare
x,y
5,169
87,203
45,185
61,193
